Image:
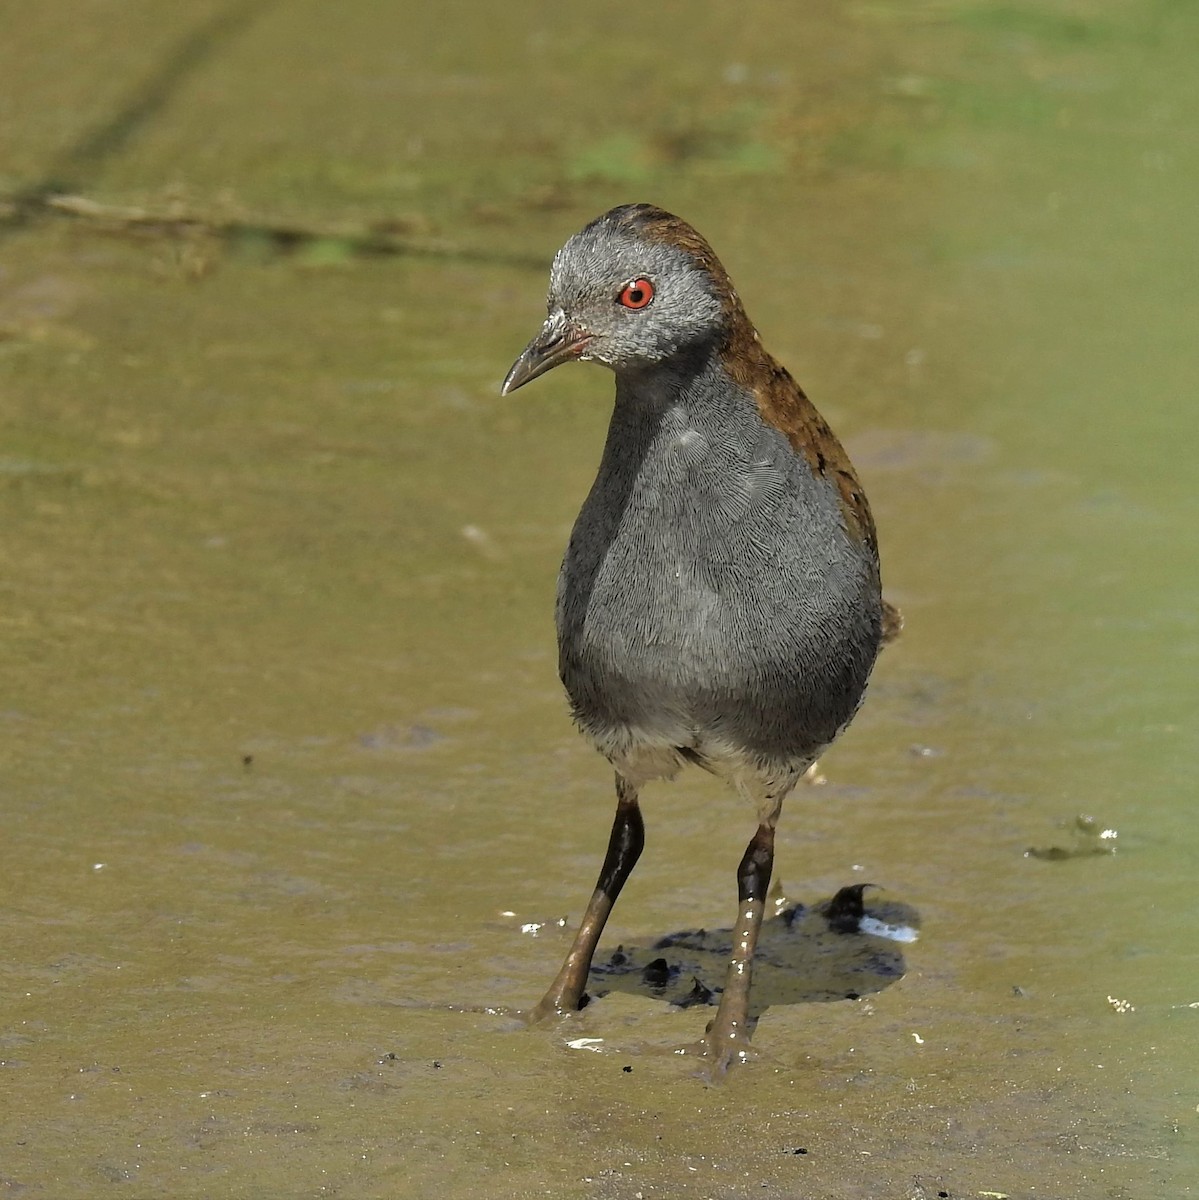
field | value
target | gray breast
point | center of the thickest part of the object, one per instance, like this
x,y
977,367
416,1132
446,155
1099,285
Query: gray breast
x,y
709,586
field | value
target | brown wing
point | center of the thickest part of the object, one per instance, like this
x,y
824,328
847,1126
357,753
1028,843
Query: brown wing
x,y
782,403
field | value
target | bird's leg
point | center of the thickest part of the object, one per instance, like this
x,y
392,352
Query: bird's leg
x,y
728,1034
624,848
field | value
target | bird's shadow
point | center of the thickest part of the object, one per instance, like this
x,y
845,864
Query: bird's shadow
x,y
837,949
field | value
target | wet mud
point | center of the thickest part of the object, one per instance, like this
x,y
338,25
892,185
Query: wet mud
x,y
295,824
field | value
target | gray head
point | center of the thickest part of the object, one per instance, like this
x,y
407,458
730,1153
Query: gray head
x,y
632,289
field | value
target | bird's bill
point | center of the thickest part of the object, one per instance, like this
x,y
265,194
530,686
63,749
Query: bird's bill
x,y
559,341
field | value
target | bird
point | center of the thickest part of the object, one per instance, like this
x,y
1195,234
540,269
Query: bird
x,y
719,602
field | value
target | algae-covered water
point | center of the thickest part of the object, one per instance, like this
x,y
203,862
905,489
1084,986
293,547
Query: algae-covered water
x,y
292,807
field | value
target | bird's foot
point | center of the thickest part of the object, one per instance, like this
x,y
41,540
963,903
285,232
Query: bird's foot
x,y
724,1050
718,1052
557,1004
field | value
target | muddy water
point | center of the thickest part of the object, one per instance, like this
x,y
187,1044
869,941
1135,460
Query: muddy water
x,y
286,769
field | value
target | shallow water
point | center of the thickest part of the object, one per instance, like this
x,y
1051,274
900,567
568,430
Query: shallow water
x,y
286,765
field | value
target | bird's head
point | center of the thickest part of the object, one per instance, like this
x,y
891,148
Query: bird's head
x,y
632,289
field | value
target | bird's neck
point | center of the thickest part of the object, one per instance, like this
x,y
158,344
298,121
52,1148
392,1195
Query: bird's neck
x,y
694,378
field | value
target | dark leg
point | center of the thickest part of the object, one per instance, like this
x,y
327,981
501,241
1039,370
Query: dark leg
x,y
624,848
728,1035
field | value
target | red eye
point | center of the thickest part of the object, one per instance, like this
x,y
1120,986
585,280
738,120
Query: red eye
x,y
636,294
